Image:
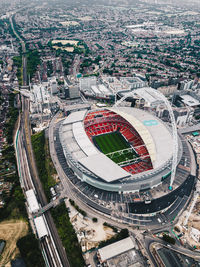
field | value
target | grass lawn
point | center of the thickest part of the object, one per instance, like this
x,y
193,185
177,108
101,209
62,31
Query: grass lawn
x,y
112,142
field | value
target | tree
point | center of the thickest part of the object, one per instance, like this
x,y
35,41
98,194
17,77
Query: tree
x,y
119,236
169,239
29,250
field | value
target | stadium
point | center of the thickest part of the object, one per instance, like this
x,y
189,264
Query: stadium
x,y
123,155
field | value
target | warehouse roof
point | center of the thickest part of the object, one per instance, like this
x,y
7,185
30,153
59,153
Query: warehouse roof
x,y
189,100
116,248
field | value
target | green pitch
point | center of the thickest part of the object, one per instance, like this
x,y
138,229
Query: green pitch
x,y
112,142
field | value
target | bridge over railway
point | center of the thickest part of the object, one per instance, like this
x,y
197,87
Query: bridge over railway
x,y
50,205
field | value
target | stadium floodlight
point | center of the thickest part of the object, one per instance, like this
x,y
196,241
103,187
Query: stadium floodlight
x,y
159,96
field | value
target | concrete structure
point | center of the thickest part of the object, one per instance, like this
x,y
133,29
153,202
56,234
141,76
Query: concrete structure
x,y
42,102
40,227
187,98
183,116
121,253
195,234
107,87
53,85
91,166
186,84
71,91
32,201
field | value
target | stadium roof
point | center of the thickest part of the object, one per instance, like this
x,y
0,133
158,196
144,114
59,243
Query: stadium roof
x,y
141,129
104,167
75,117
83,140
116,248
155,134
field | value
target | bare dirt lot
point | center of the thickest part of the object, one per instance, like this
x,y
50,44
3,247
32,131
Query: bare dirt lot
x,y
11,231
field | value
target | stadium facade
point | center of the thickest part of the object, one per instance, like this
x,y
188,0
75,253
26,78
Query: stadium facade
x,y
118,161
118,149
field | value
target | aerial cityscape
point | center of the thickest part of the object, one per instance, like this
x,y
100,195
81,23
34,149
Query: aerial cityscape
x,y
99,133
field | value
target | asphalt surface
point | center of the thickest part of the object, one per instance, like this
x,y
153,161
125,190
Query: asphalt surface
x,y
149,241
165,201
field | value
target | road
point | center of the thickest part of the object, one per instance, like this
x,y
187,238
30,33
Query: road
x,y
150,241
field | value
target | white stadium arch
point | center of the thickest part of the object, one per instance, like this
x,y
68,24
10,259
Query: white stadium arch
x,y
147,93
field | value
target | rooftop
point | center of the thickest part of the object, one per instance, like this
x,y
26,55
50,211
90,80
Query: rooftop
x,y
156,136
189,100
75,117
116,248
32,201
104,167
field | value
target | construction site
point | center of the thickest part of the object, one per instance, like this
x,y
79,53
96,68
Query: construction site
x,y
188,227
89,232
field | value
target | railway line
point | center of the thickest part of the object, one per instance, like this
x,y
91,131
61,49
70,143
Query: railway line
x,y
51,245
53,253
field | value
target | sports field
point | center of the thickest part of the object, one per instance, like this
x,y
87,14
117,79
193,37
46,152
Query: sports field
x,y
112,142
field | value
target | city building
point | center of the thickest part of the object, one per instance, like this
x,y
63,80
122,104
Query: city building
x,y
121,253
187,98
106,87
183,115
53,85
195,234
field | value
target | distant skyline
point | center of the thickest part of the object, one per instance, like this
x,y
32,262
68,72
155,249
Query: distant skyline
x,y
110,2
